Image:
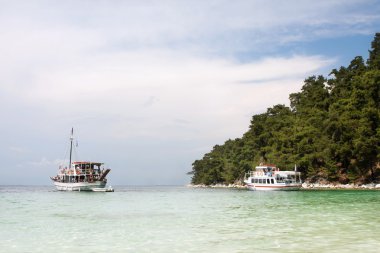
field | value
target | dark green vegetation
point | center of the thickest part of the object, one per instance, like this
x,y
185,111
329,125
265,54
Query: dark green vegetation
x,y
331,131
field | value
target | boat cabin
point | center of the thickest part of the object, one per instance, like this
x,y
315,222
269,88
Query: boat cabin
x,y
270,174
82,172
87,167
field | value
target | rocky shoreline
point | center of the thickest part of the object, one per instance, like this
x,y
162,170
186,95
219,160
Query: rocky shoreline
x,y
305,186
370,186
235,186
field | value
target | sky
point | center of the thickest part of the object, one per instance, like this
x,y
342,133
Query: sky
x,y
151,86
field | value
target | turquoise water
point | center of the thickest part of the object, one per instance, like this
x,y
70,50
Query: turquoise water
x,y
180,219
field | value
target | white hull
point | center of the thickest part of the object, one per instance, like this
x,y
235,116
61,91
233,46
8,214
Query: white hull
x,y
274,187
81,186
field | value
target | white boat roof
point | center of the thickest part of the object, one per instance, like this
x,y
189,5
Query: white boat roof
x,y
96,163
288,172
264,166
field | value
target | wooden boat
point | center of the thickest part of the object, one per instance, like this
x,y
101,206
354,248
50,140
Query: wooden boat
x,y
81,175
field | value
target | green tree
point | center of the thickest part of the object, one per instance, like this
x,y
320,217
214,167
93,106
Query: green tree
x,y
331,130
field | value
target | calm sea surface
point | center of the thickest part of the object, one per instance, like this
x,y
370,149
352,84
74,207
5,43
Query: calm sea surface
x,y
180,219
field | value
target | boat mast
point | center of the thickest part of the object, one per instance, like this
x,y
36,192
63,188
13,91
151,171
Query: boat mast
x,y
71,144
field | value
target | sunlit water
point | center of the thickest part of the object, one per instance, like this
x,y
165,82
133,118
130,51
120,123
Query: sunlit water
x,y
180,219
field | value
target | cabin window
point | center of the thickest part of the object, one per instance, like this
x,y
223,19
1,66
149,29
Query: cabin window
x,y
252,180
268,182
272,181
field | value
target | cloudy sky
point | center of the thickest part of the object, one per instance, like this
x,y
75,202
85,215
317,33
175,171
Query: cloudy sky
x,y
150,86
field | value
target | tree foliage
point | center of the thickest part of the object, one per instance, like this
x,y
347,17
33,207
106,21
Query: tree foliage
x,y
331,130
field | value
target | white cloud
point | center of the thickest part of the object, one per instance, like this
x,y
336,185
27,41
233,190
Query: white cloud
x,y
17,150
166,71
155,88
200,26
44,162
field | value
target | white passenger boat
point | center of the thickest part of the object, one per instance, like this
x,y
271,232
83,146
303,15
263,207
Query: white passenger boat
x,y
267,177
81,175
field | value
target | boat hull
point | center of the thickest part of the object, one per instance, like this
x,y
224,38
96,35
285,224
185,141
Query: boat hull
x,y
291,187
81,186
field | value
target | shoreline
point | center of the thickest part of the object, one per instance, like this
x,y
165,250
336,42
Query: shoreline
x,y
305,186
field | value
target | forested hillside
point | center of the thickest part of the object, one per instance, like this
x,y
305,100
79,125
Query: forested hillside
x,y
331,131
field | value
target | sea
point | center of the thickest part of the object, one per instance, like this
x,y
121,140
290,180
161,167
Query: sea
x,y
182,219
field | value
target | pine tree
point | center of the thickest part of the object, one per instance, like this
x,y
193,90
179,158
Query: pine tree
x,y
374,54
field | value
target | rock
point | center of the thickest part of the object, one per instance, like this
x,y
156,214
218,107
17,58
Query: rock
x,y
368,186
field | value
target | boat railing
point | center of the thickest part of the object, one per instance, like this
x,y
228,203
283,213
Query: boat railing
x,y
256,173
280,175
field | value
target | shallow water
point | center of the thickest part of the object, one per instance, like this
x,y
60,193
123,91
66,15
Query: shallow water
x,y
180,219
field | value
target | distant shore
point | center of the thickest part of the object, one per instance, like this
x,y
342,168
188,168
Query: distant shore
x,y
305,186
